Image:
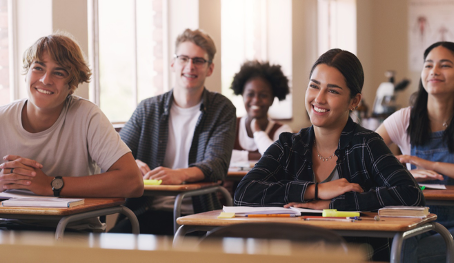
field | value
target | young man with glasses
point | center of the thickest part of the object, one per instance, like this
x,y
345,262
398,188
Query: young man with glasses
x,y
182,136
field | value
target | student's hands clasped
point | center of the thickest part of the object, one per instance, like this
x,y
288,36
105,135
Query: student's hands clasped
x,y
326,191
22,173
423,171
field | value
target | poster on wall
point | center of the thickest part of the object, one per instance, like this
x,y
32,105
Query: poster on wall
x,y
430,21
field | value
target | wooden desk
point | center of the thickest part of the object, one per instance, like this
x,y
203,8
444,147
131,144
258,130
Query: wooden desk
x,y
235,175
183,190
396,228
439,197
22,246
92,207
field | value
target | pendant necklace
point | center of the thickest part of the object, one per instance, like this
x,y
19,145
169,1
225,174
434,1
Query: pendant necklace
x,y
321,157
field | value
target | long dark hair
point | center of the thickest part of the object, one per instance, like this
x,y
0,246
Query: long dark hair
x,y
419,127
347,64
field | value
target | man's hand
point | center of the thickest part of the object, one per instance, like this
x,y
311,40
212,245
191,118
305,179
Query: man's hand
x,y
40,185
422,175
317,205
18,171
329,190
143,167
167,175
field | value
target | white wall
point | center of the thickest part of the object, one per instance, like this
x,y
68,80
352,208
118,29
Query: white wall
x,y
381,39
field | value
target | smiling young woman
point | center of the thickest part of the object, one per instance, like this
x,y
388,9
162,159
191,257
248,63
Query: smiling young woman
x,y
259,83
335,163
424,133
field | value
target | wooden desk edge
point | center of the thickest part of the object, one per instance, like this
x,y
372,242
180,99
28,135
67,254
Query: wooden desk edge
x,y
90,204
210,219
181,187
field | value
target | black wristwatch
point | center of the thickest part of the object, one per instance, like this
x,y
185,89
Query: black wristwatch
x,y
57,184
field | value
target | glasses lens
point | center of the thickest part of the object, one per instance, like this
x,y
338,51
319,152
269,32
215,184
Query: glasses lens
x,y
183,59
198,61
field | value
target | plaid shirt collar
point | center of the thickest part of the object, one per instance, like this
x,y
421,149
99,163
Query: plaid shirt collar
x,y
169,101
303,140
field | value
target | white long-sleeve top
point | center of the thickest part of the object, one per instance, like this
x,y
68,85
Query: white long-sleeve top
x,y
261,140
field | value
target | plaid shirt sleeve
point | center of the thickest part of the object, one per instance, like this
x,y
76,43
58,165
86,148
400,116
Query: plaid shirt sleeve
x,y
274,179
386,182
215,139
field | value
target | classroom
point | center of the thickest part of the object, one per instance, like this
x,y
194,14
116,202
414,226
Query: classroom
x,y
160,188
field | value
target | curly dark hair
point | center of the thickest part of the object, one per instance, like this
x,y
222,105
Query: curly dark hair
x,y
270,73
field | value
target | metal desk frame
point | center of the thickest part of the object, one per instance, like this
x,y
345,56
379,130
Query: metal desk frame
x,y
398,237
64,220
180,195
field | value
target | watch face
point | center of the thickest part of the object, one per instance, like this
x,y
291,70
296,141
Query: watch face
x,y
57,183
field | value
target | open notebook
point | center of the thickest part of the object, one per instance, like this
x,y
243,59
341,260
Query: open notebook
x,y
245,210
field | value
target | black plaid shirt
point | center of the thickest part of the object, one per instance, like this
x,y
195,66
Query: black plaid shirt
x,y
285,171
146,133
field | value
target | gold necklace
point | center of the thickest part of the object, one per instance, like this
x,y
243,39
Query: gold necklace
x,y
320,156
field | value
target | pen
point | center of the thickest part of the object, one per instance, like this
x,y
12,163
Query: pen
x,y
271,215
329,219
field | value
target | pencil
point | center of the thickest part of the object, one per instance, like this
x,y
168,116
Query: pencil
x,y
271,215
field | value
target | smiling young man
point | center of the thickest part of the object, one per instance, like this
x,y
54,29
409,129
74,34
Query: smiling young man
x,y
55,134
55,143
184,135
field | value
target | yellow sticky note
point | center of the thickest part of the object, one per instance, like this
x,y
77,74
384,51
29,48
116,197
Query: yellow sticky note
x,y
152,182
226,215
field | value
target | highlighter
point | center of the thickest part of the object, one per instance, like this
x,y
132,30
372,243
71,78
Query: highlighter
x,y
152,182
335,213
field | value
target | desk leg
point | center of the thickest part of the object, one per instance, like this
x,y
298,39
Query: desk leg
x,y
179,200
60,231
177,210
448,239
226,194
396,249
132,218
178,238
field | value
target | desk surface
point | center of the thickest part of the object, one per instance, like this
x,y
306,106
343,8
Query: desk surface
x,y
434,194
90,204
385,224
180,187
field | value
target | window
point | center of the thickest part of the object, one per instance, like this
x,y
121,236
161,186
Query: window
x,y
337,25
251,31
5,90
127,54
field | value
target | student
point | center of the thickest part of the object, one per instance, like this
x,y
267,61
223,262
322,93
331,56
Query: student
x,y
425,136
258,83
184,135
55,143
335,163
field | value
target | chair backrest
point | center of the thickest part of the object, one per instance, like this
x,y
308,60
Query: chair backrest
x,y
293,232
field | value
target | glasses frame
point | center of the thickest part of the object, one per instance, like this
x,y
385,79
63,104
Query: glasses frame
x,y
196,64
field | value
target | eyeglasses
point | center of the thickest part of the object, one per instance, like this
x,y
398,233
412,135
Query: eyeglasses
x,y
183,60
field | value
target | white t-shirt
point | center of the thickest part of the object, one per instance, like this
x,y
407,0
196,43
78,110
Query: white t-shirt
x,y
396,125
182,122
261,141
81,142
